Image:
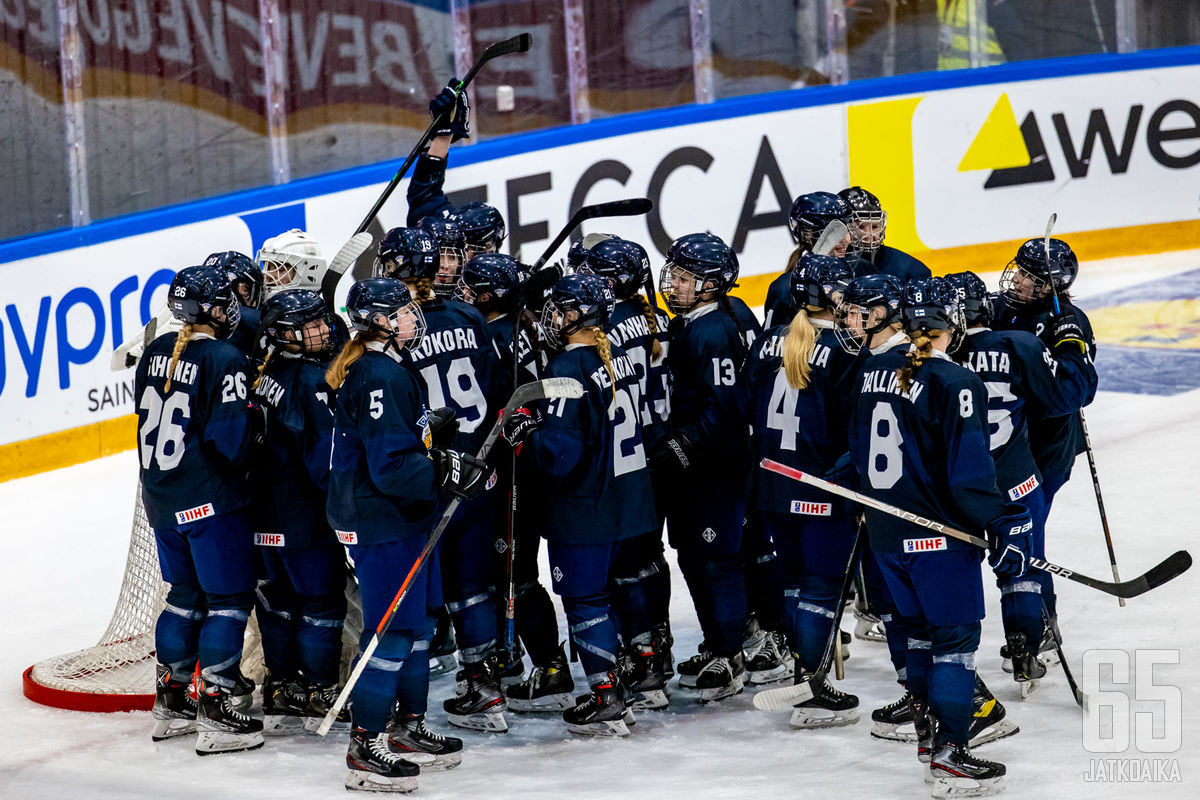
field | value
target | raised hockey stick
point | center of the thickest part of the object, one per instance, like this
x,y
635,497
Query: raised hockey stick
x,y
614,208
834,232
786,697
537,390
1170,568
1087,440
342,261
517,44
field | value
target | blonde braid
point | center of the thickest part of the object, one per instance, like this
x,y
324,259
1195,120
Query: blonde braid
x,y
921,352
604,347
181,341
351,351
652,324
263,368
794,257
798,348
424,291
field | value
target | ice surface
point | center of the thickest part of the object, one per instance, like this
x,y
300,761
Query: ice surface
x,y
65,537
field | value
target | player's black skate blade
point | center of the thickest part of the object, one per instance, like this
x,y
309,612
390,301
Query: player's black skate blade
x,y
894,722
721,678
174,708
770,660
418,745
547,689
480,704
601,712
956,773
221,728
374,767
828,707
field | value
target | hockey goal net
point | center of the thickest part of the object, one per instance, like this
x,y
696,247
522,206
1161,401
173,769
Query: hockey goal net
x,y
117,674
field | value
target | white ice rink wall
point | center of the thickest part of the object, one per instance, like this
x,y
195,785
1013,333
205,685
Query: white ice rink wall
x,y
967,164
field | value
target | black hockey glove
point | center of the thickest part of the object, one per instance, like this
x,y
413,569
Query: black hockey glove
x,y
453,113
520,425
843,473
461,474
443,427
1009,540
673,454
1065,331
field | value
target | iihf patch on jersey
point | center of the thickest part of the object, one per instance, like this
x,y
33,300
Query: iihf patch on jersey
x,y
708,535
812,509
269,539
1025,487
925,545
193,514
347,537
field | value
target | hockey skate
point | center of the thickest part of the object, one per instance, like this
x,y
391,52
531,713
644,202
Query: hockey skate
x,y
1047,652
688,670
645,679
828,707
868,627
894,721
283,706
721,678
663,641
957,773
221,727
601,712
174,707
320,699
1027,668
547,688
987,717
375,767
480,704
768,658
442,648
419,745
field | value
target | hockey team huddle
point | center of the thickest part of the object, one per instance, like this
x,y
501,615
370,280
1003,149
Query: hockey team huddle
x,y
284,448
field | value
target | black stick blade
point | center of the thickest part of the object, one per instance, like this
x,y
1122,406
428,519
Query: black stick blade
x,y
632,207
1172,567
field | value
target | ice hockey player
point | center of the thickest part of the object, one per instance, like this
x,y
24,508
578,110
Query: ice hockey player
x,y
1028,288
291,260
809,216
918,439
300,600
385,485
705,454
452,251
640,330
601,528
491,282
868,226
461,371
795,381
195,427
247,278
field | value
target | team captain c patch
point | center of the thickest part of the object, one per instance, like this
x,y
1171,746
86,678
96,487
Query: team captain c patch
x,y
925,545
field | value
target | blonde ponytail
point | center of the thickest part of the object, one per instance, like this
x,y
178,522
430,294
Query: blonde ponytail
x,y
798,348
604,348
263,368
794,257
424,291
652,324
181,341
921,352
352,351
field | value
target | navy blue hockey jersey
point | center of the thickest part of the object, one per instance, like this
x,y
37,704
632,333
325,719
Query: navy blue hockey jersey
x,y
382,482
290,470
1055,441
426,198
531,364
592,451
628,329
803,428
778,309
1023,380
194,438
890,261
244,335
924,450
460,369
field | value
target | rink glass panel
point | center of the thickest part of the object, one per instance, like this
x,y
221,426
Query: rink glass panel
x,y
639,55
33,156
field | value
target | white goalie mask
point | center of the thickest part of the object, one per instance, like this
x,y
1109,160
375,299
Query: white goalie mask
x,y
291,260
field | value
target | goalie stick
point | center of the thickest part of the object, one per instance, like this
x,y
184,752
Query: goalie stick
x,y
834,232
614,208
517,44
1087,440
537,390
1168,569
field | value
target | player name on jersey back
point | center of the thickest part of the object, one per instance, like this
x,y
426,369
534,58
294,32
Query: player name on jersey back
x,y
622,367
185,371
886,381
438,342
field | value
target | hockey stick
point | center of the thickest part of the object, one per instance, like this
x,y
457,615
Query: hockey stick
x,y
615,208
329,282
1087,440
786,697
345,257
834,232
538,390
1080,697
1170,568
